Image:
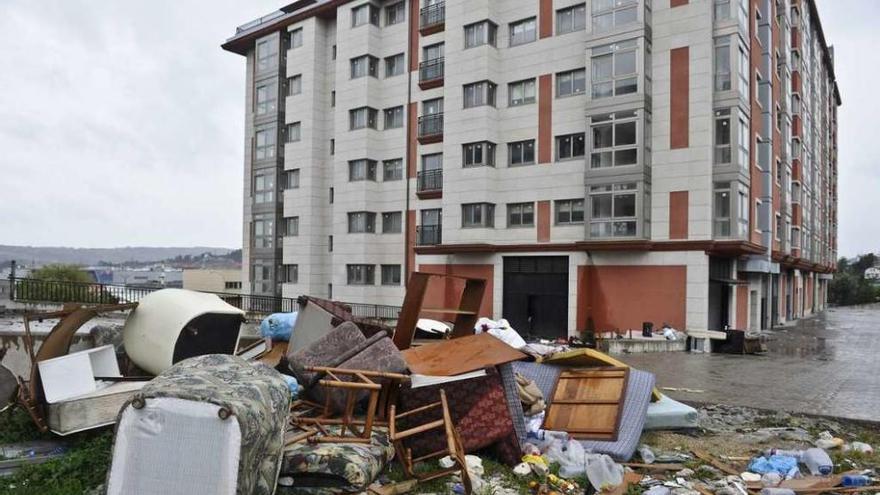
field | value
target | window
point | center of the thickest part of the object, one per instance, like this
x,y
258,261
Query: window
x,y
232,285
392,222
333,52
722,10
614,140
291,179
266,96
721,210
262,276
570,146
722,137
521,152
520,214
362,117
743,217
569,211
479,94
524,31
362,170
573,82
434,161
480,33
722,63
267,52
296,38
478,154
395,14
613,210
433,52
265,144
521,93
614,69
394,117
432,107
294,85
329,243
743,142
390,274
291,274
361,274
332,98
361,222
609,14
264,231
332,146
294,132
331,196
364,65
291,226
392,170
394,64
477,215
363,14
571,19
264,187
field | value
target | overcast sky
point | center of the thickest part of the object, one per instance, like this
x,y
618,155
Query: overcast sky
x,y
121,121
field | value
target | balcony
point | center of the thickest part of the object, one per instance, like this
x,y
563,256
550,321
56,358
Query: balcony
x,y
431,128
432,19
431,73
429,184
428,235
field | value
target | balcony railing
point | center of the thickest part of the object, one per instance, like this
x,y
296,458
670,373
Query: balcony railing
x,y
428,235
432,15
431,125
430,180
431,70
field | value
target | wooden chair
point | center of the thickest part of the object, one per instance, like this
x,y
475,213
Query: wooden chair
x,y
453,444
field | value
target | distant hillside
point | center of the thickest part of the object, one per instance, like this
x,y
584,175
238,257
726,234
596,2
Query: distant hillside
x,y
94,256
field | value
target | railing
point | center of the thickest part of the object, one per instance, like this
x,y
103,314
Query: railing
x,y
256,22
432,70
429,235
431,125
430,180
432,15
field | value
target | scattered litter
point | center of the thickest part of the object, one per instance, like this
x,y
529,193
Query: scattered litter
x,y
817,461
858,447
647,454
827,441
501,330
278,326
603,472
682,389
782,464
750,477
522,469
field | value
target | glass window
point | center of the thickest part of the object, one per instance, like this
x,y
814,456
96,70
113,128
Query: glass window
x,y
614,140
521,92
570,146
573,82
262,276
610,14
264,144
266,97
264,187
721,210
477,215
362,170
434,161
361,222
294,132
392,170
291,179
394,117
743,142
524,31
432,107
264,231
363,14
290,227
296,38
614,69
571,19
479,94
360,118
722,63
433,52
267,54
521,153
390,274
722,10
394,65
722,137
291,274
569,211
480,33
294,85
395,13
613,210
364,65
361,274
392,222
478,154
520,214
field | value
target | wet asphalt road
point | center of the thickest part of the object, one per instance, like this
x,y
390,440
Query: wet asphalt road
x,y
828,364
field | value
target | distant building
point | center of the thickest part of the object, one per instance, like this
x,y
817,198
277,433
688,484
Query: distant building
x,y
213,280
152,277
873,274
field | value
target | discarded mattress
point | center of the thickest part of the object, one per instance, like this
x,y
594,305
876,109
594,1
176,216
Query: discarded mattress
x,y
585,357
669,414
635,406
211,424
171,325
334,468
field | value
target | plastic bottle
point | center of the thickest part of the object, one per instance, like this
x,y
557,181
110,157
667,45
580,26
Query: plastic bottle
x,y
647,454
777,491
817,461
856,480
797,454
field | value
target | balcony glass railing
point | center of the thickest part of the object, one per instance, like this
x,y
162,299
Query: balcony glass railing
x,y
431,70
428,235
433,15
431,125
430,180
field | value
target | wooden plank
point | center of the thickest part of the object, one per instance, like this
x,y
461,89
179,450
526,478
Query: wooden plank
x,y
447,311
409,312
471,299
457,356
588,404
702,454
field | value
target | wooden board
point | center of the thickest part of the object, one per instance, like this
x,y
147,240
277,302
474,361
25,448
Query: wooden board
x,y
588,403
93,410
585,357
457,356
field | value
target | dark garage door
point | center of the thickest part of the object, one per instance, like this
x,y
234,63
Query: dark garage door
x,y
536,295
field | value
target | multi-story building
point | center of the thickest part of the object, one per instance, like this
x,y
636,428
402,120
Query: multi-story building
x,y
601,163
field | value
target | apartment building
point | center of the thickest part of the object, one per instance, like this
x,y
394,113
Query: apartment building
x,y
601,163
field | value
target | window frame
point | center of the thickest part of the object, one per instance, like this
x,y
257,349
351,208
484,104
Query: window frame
x,y
398,66
296,38
488,35
293,132
394,275
370,67
615,51
264,189
572,27
268,104
263,231
616,191
370,118
560,142
524,85
291,178
294,85
615,120
361,222
486,215
396,114
268,150
613,11
518,211
399,11
360,274
514,39
290,273
266,60
395,218
568,207
720,116
362,169
372,15
487,153
397,170
290,226
572,82
482,93
511,150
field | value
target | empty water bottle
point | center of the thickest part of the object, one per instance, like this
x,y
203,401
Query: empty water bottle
x,y
856,480
789,453
777,491
817,461
647,454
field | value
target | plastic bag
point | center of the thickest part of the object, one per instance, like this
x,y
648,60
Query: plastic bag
x,y
278,326
603,472
569,455
781,464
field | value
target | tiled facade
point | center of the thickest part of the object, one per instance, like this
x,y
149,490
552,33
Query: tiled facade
x,y
603,163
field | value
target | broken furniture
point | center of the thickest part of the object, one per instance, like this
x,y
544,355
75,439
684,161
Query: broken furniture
x,y
171,325
453,447
669,414
589,358
92,410
209,424
316,317
701,340
465,313
587,403
460,355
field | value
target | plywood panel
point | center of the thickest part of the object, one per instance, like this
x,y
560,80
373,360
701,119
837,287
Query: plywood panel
x,y
588,403
457,356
